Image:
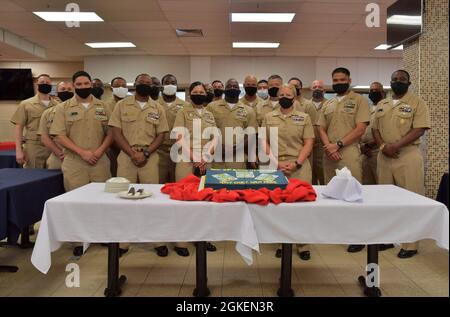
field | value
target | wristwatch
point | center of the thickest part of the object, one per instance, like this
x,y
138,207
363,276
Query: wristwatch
x,y
146,153
340,144
298,165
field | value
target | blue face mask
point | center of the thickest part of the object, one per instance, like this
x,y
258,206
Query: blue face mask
x,y
263,93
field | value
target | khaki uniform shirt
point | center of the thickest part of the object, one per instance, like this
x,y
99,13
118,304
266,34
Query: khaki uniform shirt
x,y
46,121
395,121
239,116
263,108
171,113
293,128
185,118
28,114
252,104
306,106
340,117
140,126
87,128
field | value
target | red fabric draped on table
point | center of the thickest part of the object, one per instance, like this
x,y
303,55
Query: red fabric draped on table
x,y
187,189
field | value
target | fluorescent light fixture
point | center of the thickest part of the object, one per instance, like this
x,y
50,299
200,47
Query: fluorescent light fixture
x,y
262,17
69,16
110,44
405,19
255,45
385,47
367,87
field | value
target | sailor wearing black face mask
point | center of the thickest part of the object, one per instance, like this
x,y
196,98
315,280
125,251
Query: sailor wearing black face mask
x,y
171,104
80,125
270,104
218,88
342,123
139,124
34,154
232,113
97,88
295,143
318,100
399,123
198,161
54,161
250,98
368,145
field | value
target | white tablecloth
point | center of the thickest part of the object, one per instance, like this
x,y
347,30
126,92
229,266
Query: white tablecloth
x,y
88,214
388,214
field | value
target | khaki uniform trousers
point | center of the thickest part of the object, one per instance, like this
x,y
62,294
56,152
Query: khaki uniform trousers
x,y
351,158
53,162
183,169
317,166
148,174
406,171
77,172
36,154
166,166
369,165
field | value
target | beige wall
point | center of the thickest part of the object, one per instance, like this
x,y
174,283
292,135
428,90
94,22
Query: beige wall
x,y
426,59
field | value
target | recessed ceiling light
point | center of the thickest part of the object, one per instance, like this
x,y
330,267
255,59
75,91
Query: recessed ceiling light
x,y
367,87
110,44
405,19
255,45
262,17
69,16
385,47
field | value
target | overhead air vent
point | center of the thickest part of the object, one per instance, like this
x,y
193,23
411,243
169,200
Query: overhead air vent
x,y
189,33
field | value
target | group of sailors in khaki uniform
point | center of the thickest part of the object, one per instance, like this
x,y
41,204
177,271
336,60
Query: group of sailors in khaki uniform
x,y
133,135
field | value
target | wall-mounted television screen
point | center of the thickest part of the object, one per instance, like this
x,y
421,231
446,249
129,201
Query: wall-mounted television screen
x,y
404,21
16,84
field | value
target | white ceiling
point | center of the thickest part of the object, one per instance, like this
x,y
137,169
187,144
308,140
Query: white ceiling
x,y
333,28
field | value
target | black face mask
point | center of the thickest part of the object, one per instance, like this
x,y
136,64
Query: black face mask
x,y
198,99
250,91
273,91
297,90
83,92
65,95
232,93
97,92
143,90
375,96
341,88
218,93
44,88
285,102
399,88
209,97
317,94
154,92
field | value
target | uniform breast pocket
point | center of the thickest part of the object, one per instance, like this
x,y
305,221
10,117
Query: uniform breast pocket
x,y
404,121
299,127
348,110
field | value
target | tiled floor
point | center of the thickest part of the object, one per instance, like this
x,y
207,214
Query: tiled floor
x,y
330,272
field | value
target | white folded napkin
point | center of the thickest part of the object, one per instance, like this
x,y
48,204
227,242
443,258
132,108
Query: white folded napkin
x,y
344,186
